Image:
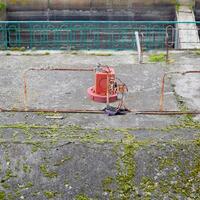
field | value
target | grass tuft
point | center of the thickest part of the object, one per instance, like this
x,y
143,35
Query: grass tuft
x,y
161,57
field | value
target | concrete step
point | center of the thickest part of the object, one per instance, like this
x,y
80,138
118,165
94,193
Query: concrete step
x,y
188,33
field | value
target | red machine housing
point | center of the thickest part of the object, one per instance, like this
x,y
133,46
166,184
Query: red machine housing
x,y
104,79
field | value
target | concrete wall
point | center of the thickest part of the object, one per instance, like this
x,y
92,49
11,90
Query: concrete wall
x,y
90,10
3,11
18,5
197,10
186,2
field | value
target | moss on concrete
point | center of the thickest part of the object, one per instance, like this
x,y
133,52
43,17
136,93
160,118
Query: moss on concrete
x,y
161,57
26,168
50,194
2,195
46,172
81,197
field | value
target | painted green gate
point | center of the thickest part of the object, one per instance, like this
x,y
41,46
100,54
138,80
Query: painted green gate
x,y
75,35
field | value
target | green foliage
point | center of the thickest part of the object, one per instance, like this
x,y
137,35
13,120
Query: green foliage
x,y
2,6
161,57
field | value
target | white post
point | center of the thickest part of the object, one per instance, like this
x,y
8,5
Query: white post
x,y
138,46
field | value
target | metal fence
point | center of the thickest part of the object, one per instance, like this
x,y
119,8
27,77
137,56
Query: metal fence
x,y
72,35
75,35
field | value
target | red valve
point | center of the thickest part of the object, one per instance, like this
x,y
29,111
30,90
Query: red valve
x,y
104,81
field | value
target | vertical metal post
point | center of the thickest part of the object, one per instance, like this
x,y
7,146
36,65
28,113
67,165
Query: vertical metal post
x,y
167,47
138,46
108,95
141,46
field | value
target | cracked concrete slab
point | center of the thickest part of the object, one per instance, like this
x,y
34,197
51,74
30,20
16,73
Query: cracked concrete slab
x,y
96,157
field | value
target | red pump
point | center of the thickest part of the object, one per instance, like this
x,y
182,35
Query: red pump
x,y
104,89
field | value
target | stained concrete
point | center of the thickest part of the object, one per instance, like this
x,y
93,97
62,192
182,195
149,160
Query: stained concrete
x,y
91,10
69,89
95,157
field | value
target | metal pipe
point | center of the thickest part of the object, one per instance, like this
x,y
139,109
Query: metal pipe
x,y
167,43
48,69
107,90
163,84
167,47
54,111
160,112
88,111
167,113
142,44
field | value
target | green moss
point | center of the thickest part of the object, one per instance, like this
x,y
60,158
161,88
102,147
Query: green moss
x,y
178,5
148,185
81,197
197,52
46,173
26,186
26,54
74,52
186,121
50,194
10,196
2,195
27,126
26,168
18,193
2,6
17,49
126,172
180,173
9,174
34,194
123,184
62,161
165,162
36,146
101,54
157,57
5,185
197,141
106,183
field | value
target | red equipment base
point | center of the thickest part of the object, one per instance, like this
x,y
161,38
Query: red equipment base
x,y
100,98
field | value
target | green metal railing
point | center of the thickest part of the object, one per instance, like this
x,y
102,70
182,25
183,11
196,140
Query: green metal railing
x,y
73,35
